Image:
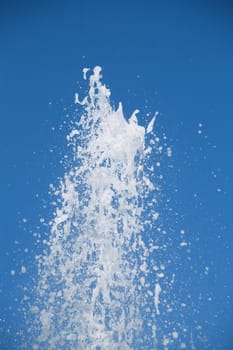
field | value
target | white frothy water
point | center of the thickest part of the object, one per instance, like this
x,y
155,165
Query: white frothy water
x,y
93,288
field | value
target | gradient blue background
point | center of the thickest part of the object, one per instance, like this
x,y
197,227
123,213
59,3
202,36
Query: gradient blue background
x,y
172,56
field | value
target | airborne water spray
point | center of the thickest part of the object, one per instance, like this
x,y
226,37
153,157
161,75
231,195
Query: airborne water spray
x,y
98,285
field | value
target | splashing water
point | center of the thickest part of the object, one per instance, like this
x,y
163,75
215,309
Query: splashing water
x,y
93,289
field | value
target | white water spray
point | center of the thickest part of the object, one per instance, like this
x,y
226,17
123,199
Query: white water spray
x,y
93,288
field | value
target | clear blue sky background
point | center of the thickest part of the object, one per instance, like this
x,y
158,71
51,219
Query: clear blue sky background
x,y
172,56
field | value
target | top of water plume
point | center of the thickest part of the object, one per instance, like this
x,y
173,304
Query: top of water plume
x,y
120,138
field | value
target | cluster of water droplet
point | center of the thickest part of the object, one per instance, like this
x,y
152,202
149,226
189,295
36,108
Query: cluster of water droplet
x,y
98,274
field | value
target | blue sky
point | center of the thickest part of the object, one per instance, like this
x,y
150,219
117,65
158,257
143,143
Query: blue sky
x,y
171,56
